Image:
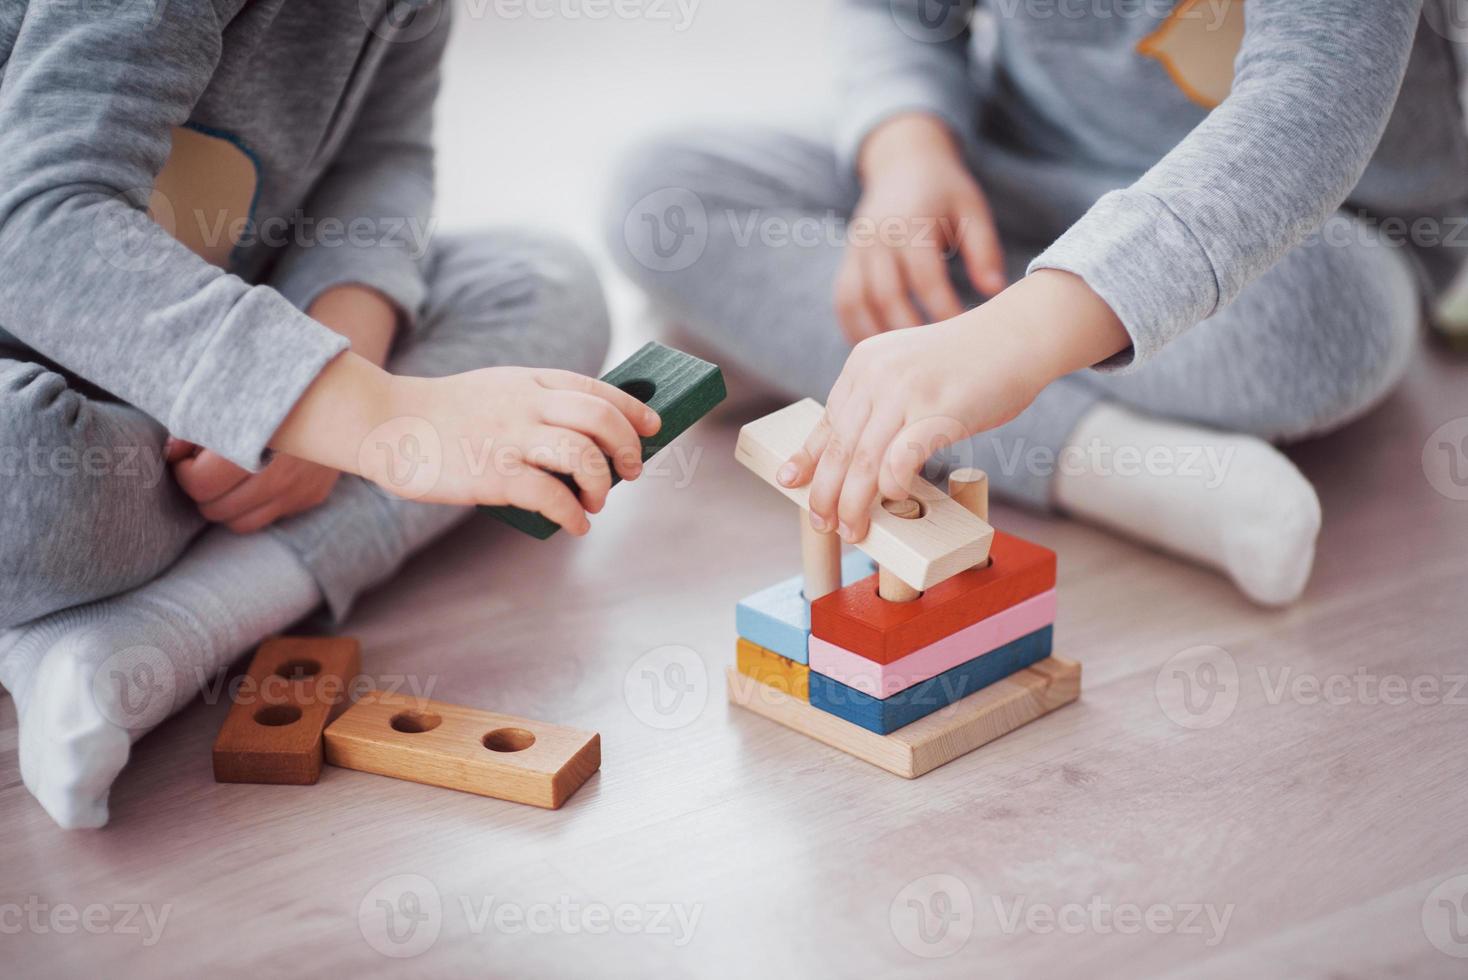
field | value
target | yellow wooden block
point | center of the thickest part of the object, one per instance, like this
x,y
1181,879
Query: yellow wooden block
x,y
769,668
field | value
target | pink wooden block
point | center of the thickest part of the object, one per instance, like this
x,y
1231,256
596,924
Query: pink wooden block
x,y
885,680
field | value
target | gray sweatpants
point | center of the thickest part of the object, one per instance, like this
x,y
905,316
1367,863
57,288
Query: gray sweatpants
x,y
90,510
738,234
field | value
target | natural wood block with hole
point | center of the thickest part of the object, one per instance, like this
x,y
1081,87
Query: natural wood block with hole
x,y
463,748
928,742
856,618
942,541
681,388
272,733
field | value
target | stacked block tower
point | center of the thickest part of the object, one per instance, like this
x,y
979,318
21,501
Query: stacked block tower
x,y
933,639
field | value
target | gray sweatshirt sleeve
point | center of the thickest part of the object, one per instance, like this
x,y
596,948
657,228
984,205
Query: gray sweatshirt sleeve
x,y
922,66
1314,87
90,96
381,181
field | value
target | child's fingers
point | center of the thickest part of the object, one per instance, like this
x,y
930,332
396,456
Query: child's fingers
x,y
177,449
913,446
887,295
798,469
597,418
928,274
565,451
535,489
851,304
253,493
208,476
978,243
825,487
643,419
859,489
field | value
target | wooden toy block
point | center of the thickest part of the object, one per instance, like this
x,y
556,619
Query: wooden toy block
x,y
945,540
970,488
820,560
928,742
463,748
889,586
272,733
885,680
857,619
885,715
770,668
778,618
681,388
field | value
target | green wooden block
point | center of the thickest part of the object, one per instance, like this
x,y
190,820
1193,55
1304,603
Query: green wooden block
x,y
681,388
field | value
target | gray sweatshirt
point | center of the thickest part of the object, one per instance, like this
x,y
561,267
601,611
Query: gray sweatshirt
x,y
1198,140
289,143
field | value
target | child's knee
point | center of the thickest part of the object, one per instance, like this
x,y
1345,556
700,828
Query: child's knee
x,y
1364,316
656,211
537,297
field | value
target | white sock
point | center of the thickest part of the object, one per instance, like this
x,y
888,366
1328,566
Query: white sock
x,y
89,681
1231,502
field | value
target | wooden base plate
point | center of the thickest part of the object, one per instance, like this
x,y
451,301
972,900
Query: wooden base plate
x,y
929,742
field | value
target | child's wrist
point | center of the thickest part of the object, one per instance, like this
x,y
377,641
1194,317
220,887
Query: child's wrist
x,y
349,398
893,145
1063,325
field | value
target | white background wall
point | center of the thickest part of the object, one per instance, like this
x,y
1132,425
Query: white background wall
x,y
537,106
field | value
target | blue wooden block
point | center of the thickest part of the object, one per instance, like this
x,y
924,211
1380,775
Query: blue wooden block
x,y
906,707
778,618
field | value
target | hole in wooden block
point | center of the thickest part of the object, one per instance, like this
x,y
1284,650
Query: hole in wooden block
x,y
910,509
415,722
278,715
509,740
640,388
299,669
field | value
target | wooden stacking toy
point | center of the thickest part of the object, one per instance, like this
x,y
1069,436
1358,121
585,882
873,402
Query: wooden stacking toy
x,y
945,644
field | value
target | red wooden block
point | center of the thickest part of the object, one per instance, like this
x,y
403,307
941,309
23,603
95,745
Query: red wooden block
x,y
857,619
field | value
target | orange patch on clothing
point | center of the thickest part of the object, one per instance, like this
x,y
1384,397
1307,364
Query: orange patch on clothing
x,y
203,194
1198,45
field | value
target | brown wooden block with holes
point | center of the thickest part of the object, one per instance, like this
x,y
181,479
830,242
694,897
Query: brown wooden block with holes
x,y
272,733
463,748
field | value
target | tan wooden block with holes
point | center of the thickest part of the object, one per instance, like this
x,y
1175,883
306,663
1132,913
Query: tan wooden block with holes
x,y
463,748
942,541
936,739
272,733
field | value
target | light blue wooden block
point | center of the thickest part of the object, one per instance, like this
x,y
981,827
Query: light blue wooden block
x,y
778,618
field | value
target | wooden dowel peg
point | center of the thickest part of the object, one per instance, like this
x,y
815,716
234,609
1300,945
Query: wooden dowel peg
x,y
970,487
820,559
889,586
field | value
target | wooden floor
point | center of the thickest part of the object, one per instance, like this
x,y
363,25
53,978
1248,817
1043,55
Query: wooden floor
x,y
731,847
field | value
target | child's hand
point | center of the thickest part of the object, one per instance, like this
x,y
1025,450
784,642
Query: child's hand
x,y
496,435
903,396
918,202
245,501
